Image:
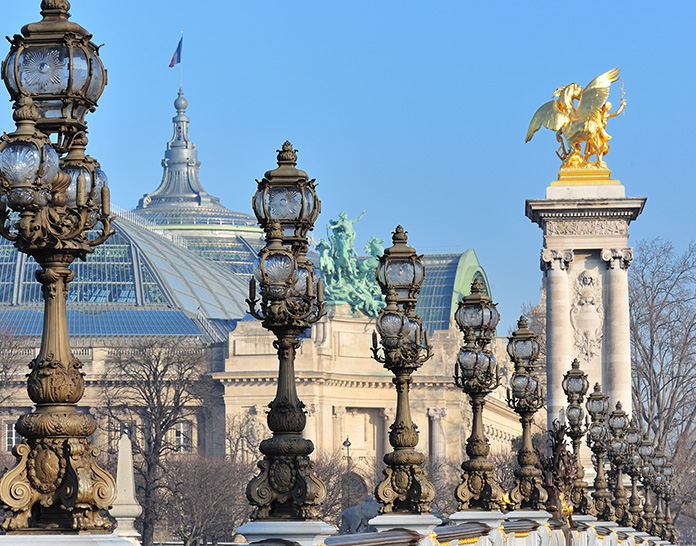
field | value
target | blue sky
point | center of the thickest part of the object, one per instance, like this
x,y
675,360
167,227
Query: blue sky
x,y
415,111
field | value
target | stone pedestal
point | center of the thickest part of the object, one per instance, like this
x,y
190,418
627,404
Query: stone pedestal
x,y
491,518
306,533
423,524
63,540
585,259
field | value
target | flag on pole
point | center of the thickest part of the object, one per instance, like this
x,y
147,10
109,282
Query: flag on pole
x,y
176,58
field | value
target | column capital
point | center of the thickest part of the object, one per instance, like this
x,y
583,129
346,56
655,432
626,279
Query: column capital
x,y
435,414
339,411
310,409
621,257
387,414
556,259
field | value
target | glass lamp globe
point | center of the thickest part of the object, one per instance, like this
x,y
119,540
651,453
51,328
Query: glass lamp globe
x,y
401,269
668,470
523,346
575,415
56,63
286,195
598,403
633,435
477,312
392,325
618,420
659,460
597,432
273,269
646,449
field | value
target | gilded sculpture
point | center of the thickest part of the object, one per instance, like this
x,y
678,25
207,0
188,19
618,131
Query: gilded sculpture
x,y
582,123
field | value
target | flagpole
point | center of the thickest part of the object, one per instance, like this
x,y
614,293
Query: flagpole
x,y
181,63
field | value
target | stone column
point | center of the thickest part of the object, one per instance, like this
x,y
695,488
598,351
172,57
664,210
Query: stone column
x,y
555,265
339,425
436,435
309,431
617,371
387,415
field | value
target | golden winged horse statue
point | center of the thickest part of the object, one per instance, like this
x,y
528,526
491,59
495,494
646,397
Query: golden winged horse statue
x,y
586,123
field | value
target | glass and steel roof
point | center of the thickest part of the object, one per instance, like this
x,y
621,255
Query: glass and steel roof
x,y
137,282
448,278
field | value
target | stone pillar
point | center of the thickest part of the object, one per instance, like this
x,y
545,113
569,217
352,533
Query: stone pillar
x,y
339,425
309,431
387,415
555,265
436,435
587,211
617,373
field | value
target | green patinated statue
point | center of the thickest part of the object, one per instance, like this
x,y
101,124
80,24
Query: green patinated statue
x,y
349,280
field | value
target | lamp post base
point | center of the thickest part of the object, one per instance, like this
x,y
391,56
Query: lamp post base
x,y
305,533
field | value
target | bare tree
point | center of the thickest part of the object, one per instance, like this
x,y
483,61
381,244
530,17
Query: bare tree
x,y
151,389
662,285
244,431
14,359
206,497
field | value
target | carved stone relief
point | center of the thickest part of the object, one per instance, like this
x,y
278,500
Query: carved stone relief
x,y
587,315
586,227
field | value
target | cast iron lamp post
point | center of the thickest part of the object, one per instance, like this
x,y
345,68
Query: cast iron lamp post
x,y
669,531
598,441
633,467
48,204
286,207
659,461
619,453
646,451
476,373
526,396
404,349
575,385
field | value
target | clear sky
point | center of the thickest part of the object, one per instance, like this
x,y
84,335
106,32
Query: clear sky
x,y
414,111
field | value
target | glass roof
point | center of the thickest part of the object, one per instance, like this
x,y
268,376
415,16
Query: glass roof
x,y
133,267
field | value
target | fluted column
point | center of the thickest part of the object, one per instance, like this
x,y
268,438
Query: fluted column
x,y
437,435
555,265
618,337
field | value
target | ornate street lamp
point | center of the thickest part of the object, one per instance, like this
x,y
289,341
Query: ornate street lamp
x,y
291,300
476,373
598,441
646,451
575,385
56,64
659,483
633,469
669,532
404,349
619,453
526,396
47,207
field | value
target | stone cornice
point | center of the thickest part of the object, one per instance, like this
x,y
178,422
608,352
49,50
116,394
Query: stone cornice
x,y
540,210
